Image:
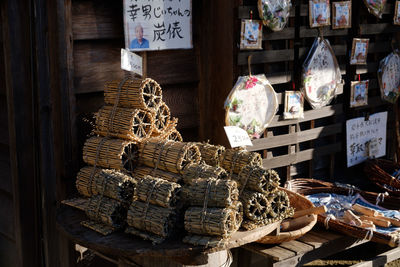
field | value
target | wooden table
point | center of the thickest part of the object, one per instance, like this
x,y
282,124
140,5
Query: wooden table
x,y
316,244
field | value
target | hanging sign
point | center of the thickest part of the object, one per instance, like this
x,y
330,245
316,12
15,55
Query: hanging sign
x,y
157,24
131,62
237,136
366,138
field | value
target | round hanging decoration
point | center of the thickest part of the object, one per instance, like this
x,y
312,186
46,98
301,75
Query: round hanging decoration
x,y
389,77
251,105
274,13
321,74
375,7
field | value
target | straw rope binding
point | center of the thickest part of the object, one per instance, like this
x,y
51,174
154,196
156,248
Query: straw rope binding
x,y
194,171
141,172
162,118
212,155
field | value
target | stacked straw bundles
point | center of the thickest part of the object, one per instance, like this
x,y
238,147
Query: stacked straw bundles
x,y
141,172
213,221
110,183
110,153
107,211
236,159
280,205
124,123
152,219
217,193
258,179
194,171
256,206
174,135
168,155
162,119
157,191
212,155
136,93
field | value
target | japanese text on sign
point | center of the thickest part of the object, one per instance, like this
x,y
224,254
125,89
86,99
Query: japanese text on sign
x,y
237,136
157,24
366,138
131,62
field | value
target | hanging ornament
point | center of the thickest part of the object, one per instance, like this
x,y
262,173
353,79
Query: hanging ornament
x,y
396,18
321,74
274,13
375,7
319,13
389,77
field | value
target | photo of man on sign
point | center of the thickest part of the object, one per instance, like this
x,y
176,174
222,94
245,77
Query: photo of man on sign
x,y
139,41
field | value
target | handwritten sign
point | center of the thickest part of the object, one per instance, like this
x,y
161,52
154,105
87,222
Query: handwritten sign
x,y
237,136
131,62
366,138
158,24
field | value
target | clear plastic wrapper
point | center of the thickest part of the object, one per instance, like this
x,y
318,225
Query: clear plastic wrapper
x,y
274,13
389,77
321,74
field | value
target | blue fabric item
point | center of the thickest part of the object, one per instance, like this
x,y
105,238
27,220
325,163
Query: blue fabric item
x,y
135,44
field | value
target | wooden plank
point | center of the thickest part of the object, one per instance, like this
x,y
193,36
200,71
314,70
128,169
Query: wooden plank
x,y
5,173
286,33
7,216
370,67
380,28
301,156
381,259
97,20
306,31
297,247
326,234
380,47
279,78
276,253
269,56
293,138
339,50
8,252
312,240
244,12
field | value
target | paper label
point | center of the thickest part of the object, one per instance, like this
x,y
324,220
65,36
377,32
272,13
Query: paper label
x,y
237,137
131,62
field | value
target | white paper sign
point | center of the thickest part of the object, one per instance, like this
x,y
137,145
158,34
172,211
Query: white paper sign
x,y
131,62
237,136
157,24
366,138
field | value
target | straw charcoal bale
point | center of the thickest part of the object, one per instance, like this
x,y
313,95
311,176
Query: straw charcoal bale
x,y
212,155
256,206
162,118
236,159
195,171
258,179
280,205
107,211
142,171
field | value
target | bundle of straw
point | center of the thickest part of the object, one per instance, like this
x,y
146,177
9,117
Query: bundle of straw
x,y
124,123
194,171
110,153
258,179
152,219
141,172
174,135
162,118
212,221
157,191
256,206
205,241
135,93
110,183
280,205
236,159
168,155
107,211
216,193
212,155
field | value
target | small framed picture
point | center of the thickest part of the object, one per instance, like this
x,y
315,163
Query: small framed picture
x,y
294,105
319,13
251,34
359,51
341,15
359,93
396,18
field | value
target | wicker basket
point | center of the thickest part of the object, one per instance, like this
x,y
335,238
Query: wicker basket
x,y
298,202
380,171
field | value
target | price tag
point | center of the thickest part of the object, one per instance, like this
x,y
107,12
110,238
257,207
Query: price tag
x,y
237,136
131,62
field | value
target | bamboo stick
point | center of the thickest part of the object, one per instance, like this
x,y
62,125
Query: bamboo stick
x,y
377,220
142,171
235,160
124,123
110,183
258,179
194,171
212,155
366,210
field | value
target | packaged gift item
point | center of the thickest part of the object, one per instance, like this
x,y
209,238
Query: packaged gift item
x,y
321,74
375,7
341,15
294,105
274,13
251,105
389,77
359,51
251,34
359,93
319,13
396,18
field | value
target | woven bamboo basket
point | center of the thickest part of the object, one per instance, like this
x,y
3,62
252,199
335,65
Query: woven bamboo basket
x,y
110,183
168,155
107,211
256,206
380,171
124,123
213,221
110,153
157,191
216,193
212,155
194,171
205,241
258,179
298,202
153,219
347,229
162,118
236,159
141,172
135,93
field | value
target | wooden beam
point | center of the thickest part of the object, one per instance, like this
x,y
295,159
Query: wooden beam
x,y
381,259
